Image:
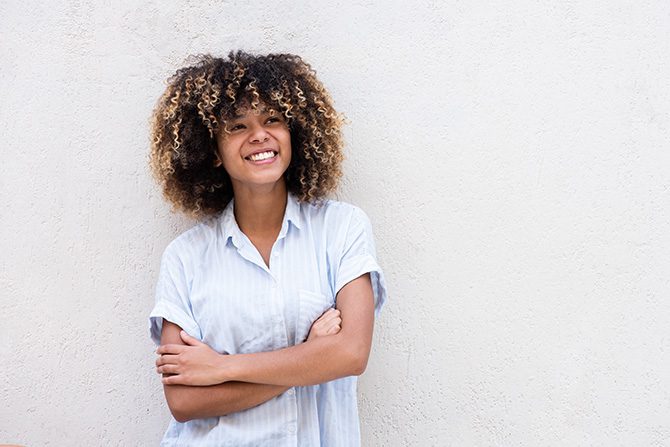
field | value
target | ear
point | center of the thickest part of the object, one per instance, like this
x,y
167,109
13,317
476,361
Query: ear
x,y
217,162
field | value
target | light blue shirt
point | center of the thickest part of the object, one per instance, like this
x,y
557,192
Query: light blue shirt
x,y
215,285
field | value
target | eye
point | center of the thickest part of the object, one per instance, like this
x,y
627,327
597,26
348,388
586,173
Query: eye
x,y
274,119
236,127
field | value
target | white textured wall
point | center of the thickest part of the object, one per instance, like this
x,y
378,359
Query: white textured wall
x,y
513,159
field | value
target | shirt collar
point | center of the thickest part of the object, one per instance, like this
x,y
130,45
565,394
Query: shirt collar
x,y
292,213
230,229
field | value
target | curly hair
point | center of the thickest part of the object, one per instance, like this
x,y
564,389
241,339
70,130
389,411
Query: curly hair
x,y
200,98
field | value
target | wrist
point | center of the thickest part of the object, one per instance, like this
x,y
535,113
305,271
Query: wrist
x,y
226,368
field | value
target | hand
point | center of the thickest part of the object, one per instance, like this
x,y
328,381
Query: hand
x,y
327,324
194,364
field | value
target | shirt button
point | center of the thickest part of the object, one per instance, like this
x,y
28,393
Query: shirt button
x,y
291,428
291,392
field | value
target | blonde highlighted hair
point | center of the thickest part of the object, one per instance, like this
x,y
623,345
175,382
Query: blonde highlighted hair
x,y
200,98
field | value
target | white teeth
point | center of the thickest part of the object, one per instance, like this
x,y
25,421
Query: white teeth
x,y
262,156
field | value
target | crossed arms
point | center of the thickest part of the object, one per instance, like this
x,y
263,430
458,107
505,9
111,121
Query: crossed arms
x,y
200,383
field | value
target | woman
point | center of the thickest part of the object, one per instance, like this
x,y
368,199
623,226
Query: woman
x,y
264,310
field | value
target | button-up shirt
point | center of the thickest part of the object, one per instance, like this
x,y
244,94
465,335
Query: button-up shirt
x,y
214,284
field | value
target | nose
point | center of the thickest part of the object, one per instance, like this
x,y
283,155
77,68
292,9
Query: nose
x,y
259,135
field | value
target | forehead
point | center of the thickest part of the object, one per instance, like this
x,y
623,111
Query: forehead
x,y
244,110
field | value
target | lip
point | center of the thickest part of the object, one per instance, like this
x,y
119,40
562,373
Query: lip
x,y
265,149
267,161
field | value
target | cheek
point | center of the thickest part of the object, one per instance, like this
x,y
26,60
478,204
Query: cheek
x,y
232,165
289,149
229,162
226,152
286,140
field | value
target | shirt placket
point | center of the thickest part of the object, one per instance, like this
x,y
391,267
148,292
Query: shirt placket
x,y
281,333
277,302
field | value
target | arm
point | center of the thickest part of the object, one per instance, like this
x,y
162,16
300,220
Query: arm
x,y
192,402
315,361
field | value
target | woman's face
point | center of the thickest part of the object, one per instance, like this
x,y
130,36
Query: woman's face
x,y
257,150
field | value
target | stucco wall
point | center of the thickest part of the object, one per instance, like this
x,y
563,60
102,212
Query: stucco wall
x,y
513,159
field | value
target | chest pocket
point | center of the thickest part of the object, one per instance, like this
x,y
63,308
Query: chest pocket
x,y
238,324
311,306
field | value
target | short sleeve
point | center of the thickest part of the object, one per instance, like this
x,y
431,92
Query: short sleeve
x,y
172,297
359,257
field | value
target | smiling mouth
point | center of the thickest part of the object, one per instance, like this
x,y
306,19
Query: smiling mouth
x,y
260,156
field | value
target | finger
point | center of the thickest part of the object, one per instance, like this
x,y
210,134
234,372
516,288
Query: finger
x,y
333,321
167,359
330,314
170,349
333,330
168,369
192,341
327,314
173,380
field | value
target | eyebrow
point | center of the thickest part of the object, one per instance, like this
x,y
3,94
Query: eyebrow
x,y
264,111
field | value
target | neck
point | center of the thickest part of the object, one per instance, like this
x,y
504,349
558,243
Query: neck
x,y
260,213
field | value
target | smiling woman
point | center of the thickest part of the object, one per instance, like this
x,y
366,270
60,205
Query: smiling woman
x,y
265,309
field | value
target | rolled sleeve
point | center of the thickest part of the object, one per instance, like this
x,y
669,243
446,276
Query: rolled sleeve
x,y
172,298
359,257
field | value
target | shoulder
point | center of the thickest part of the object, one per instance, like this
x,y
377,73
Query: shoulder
x,y
335,213
339,223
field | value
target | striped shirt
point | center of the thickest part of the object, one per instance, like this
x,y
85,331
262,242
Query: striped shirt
x,y
214,283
